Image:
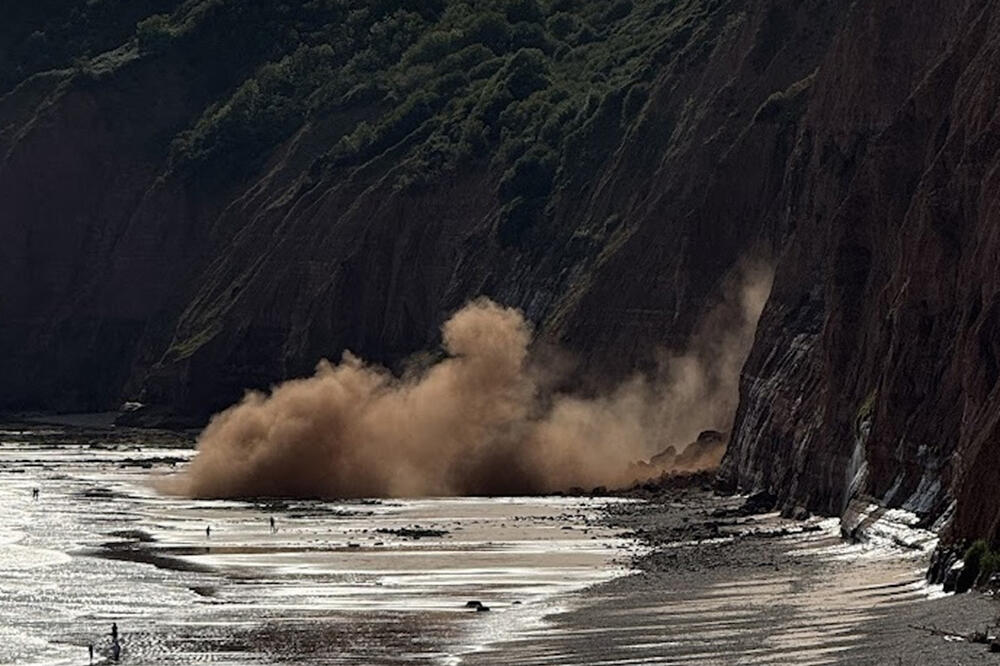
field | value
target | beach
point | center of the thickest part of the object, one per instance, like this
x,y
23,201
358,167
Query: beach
x,y
676,575
717,587
361,581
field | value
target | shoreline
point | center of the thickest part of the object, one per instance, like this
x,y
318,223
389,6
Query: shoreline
x,y
716,587
335,582
714,583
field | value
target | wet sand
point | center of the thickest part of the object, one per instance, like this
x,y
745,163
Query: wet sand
x,y
362,582
676,578
720,589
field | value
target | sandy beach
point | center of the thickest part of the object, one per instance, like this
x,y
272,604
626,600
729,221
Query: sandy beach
x,y
361,581
675,576
718,588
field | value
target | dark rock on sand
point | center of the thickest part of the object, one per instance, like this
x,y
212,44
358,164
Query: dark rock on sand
x,y
761,502
704,453
413,532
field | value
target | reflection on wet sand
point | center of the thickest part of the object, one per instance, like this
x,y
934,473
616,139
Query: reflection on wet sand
x,y
335,582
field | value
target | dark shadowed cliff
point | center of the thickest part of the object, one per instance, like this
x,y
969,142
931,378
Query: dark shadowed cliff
x,y
875,368
223,194
238,191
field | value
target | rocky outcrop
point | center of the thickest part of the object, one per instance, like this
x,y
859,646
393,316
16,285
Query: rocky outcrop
x,y
705,453
873,371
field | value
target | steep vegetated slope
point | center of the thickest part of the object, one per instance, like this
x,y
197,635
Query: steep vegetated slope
x,y
240,189
204,196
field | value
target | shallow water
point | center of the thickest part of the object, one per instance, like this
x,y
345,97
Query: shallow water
x,y
338,582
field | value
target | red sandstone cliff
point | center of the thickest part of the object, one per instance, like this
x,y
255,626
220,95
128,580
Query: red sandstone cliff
x,y
875,364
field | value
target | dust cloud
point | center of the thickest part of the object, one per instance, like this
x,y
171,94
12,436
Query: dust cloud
x,y
480,422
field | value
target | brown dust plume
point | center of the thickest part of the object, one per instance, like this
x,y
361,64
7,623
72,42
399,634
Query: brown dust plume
x,y
479,422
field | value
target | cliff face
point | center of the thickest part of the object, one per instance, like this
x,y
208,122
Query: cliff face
x,y
129,273
875,363
238,190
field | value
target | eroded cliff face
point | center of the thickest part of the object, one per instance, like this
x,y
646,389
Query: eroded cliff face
x,y
123,278
851,143
874,368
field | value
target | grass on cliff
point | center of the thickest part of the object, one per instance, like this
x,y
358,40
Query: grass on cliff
x,y
537,92
39,35
519,87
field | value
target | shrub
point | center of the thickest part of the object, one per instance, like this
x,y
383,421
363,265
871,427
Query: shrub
x,y
393,35
491,30
469,58
531,176
473,134
524,10
561,25
450,83
456,79
619,10
554,129
530,36
585,35
486,69
989,564
434,46
526,73
233,136
154,34
406,119
976,555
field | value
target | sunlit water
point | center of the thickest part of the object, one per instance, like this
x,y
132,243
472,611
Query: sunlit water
x,y
338,582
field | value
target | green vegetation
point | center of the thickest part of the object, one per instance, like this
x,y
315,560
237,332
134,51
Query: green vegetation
x,y
55,34
865,412
232,136
520,88
981,562
514,86
154,34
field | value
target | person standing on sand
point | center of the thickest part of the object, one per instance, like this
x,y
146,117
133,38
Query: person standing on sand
x,y
273,527
114,632
91,648
208,531
34,494
116,649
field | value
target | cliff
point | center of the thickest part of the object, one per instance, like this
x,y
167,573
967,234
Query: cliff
x,y
219,197
875,364
187,217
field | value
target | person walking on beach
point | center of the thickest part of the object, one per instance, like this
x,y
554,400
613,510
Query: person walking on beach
x,y
208,531
34,494
114,632
91,648
273,527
